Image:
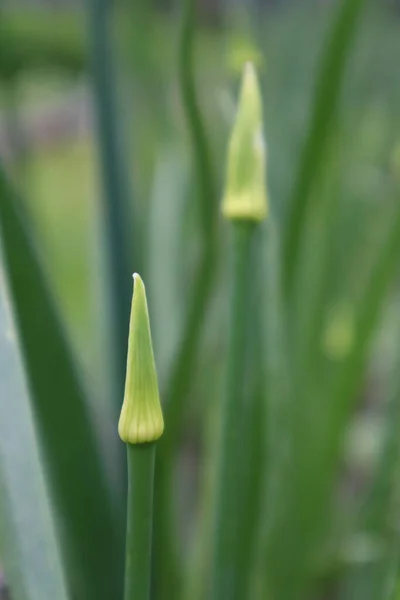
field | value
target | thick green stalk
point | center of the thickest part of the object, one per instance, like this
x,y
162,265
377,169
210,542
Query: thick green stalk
x,y
114,180
276,404
323,116
141,461
225,567
166,564
254,432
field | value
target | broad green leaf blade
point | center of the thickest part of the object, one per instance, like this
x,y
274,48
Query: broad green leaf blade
x,y
28,549
74,468
324,112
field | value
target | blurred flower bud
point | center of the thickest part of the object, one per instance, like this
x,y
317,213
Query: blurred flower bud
x,y
245,195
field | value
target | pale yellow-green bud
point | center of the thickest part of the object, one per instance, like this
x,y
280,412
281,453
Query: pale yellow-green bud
x,y
245,196
338,336
141,417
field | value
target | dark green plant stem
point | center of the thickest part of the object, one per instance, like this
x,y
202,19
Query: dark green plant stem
x,y
181,375
277,382
116,185
141,462
178,387
324,111
74,470
201,152
225,568
254,434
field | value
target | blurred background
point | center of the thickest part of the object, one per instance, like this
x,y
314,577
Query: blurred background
x,y
48,138
49,142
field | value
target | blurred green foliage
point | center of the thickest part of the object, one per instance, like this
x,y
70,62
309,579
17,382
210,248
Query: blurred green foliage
x,y
322,530
36,40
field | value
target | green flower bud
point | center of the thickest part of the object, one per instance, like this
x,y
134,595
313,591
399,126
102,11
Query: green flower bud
x,y
245,195
141,417
338,336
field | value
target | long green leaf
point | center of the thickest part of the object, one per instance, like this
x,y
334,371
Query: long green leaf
x,y
28,548
324,112
74,468
116,187
167,569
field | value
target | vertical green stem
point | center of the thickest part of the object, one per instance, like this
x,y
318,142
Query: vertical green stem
x,y
324,111
166,565
252,459
114,179
225,570
141,460
201,151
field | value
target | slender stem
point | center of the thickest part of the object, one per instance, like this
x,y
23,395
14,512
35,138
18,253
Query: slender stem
x,y
167,569
181,375
205,176
141,461
114,180
324,111
254,434
225,568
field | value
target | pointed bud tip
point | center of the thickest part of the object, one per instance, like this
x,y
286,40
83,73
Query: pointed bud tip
x,y
138,283
141,417
245,195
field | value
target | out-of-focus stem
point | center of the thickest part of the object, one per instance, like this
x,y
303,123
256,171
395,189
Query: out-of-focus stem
x,y
166,565
114,179
225,568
